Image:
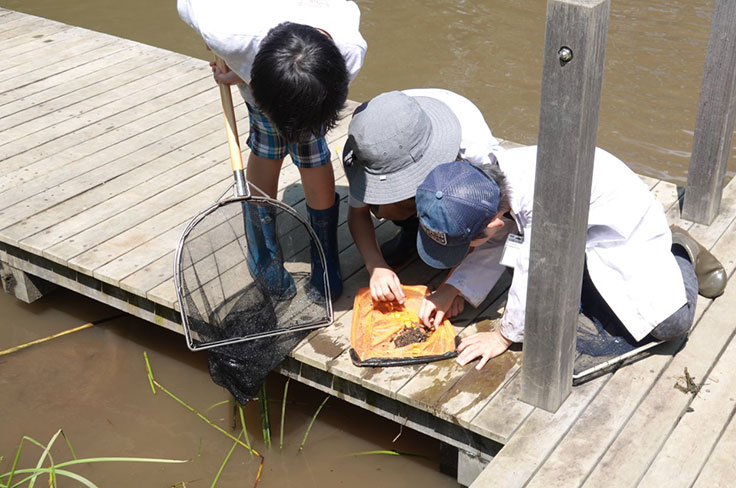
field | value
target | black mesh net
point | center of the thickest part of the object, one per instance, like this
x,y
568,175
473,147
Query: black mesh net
x,y
245,288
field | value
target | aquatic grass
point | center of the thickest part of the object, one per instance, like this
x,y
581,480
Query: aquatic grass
x,y
309,427
283,413
245,430
55,469
224,463
265,416
388,453
215,405
181,402
20,347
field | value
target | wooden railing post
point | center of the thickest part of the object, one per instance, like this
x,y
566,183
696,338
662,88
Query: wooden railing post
x,y
571,87
714,126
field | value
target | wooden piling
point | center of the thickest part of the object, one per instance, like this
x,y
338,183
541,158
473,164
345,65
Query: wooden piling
x,y
714,125
571,87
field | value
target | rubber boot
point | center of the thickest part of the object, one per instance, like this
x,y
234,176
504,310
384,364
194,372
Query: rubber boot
x,y
403,246
711,275
265,258
324,223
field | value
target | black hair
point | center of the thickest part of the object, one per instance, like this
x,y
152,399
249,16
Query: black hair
x,y
300,81
493,171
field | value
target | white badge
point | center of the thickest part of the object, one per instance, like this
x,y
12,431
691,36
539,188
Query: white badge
x,y
511,250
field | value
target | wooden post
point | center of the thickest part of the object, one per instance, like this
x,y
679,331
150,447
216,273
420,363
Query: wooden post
x,y
714,126
571,87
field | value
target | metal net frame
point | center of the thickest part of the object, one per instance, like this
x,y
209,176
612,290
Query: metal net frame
x,y
242,272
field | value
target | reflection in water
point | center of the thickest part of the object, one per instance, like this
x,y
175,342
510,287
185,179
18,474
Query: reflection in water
x,y
491,52
92,384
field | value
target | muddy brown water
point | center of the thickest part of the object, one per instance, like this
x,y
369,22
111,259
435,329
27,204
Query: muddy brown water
x,y
93,383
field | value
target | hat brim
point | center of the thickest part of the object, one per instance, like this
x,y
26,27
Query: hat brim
x,y
443,147
438,256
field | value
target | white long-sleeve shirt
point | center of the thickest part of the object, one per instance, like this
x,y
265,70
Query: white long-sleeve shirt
x,y
627,248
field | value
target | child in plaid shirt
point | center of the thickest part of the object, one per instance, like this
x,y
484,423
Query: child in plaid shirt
x,y
292,61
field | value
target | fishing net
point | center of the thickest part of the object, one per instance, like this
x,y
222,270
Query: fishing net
x,y
389,334
245,288
243,273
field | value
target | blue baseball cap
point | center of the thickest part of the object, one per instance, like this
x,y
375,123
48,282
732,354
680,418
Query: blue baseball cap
x,y
455,203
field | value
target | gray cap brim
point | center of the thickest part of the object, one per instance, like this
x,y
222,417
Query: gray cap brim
x,y
443,147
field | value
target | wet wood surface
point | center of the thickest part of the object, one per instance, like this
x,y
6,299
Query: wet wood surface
x,y
108,147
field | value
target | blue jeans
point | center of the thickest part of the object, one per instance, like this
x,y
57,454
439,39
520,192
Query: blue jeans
x,y
593,306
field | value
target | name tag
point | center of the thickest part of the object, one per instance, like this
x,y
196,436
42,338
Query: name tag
x,y
511,250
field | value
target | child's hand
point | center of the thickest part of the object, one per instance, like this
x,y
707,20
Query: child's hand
x,y
225,77
386,286
484,345
439,304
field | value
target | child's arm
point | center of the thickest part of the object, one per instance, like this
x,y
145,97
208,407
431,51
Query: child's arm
x,y
385,284
445,302
484,345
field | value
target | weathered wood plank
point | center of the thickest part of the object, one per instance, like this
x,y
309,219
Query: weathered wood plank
x,y
490,423
695,435
568,125
650,425
716,114
66,54
31,35
17,22
145,90
519,459
720,470
93,79
578,452
169,160
92,170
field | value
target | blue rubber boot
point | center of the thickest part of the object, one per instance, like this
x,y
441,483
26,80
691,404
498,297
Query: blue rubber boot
x,y
324,224
265,259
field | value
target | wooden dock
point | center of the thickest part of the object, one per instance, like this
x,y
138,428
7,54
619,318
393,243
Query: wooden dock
x,y
109,147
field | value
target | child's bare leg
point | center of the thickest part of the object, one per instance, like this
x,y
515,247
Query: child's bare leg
x,y
319,186
264,173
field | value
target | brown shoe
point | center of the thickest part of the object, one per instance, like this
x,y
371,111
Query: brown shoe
x,y
711,275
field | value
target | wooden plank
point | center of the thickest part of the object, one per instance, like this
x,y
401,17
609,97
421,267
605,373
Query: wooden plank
x,y
95,294
161,270
502,426
535,439
720,470
716,113
630,455
102,76
43,81
102,242
16,23
123,266
97,169
44,119
66,140
568,125
24,42
38,33
172,163
579,451
145,90
696,434
65,53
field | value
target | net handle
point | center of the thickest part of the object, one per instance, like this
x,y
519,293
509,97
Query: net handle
x,y
236,158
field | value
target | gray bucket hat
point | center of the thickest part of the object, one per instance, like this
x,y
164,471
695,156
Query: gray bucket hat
x,y
394,141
